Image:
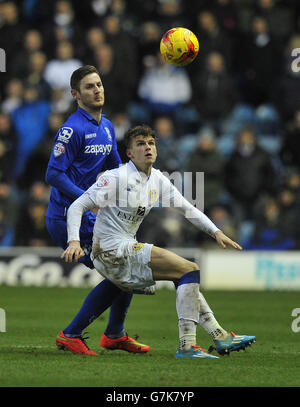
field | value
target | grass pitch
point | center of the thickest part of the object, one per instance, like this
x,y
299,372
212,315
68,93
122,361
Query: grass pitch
x,y
34,316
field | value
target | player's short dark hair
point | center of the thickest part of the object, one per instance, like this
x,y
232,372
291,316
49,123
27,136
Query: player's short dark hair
x,y
142,130
80,73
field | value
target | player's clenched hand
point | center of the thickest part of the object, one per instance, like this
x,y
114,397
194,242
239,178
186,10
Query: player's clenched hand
x,y
224,240
95,210
72,252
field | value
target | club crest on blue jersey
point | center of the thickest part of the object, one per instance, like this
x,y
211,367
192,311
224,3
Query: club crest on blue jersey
x,y
65,134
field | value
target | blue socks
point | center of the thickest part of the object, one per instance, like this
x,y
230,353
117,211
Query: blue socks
x,y
118,312
191,277
187,278
104,295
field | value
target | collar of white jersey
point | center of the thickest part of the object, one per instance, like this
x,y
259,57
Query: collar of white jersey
x,y
141,174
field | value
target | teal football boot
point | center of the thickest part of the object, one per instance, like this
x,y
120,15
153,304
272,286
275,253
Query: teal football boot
x,y
233,343
194,352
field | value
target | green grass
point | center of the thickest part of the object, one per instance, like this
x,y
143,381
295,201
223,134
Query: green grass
x,y
34,316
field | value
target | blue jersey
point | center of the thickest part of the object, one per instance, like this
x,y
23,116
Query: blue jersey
x,y
82,149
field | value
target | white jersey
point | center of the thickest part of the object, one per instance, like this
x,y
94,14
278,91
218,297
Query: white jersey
x,y
125,196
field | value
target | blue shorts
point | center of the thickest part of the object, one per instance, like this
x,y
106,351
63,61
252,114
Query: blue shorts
x,y
57,229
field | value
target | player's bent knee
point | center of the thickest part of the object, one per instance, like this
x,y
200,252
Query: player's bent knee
x,y
190,266
195,266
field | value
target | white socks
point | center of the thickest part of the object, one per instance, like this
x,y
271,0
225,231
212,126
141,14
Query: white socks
x,y
209,322
187,333
192,309
187,302
187,305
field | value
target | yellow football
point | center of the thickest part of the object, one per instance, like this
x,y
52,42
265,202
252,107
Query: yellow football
x,y
179,46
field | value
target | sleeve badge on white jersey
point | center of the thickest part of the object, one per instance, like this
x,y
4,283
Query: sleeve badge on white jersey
x,y
59,149
102,181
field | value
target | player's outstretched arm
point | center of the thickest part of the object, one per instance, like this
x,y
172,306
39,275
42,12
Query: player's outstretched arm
x,y
225,241
194,215
72,252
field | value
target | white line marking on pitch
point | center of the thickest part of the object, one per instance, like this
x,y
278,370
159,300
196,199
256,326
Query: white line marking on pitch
x,y
26,346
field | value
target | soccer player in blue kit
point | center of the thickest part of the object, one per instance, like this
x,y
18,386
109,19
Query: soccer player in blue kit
x,y
84,146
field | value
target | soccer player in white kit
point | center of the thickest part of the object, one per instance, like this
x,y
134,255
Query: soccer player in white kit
x,y
124,197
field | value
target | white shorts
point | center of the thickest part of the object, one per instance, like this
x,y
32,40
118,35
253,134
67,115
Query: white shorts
x,y
127,266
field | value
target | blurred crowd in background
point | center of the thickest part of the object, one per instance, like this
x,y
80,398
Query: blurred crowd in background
x,y
234,113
